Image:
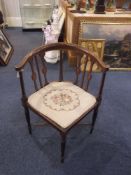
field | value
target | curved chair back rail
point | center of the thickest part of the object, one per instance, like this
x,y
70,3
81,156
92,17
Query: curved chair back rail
x,y
57,46
39,68
81,89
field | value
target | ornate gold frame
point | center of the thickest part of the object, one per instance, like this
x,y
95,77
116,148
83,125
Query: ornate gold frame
x,y
96,46
98,43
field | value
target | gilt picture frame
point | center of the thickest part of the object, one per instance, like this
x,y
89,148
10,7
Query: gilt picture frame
x,y
96,47
117,36
6,49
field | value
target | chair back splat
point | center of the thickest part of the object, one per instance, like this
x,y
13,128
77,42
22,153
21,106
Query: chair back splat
x,y
61,95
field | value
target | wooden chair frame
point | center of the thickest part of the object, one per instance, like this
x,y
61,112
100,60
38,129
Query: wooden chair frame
x,y
38,55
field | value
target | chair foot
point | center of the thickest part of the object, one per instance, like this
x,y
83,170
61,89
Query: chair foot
x,y
27,114
62,159
30,130
94,120
91,130
63,143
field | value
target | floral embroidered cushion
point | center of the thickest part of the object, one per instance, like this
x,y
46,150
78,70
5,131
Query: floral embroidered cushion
x,y
62,102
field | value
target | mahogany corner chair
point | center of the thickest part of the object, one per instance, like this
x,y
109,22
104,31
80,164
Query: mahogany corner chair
x,y
61,103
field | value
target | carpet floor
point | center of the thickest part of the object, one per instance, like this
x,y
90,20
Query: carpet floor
x,y
106,152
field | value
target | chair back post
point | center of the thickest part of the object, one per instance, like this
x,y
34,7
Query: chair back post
x,y
44,70
33,74
61,66
77,70
38,70
84,72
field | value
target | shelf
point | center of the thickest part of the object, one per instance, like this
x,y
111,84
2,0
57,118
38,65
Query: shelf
x,y
37,6
33,23
35,13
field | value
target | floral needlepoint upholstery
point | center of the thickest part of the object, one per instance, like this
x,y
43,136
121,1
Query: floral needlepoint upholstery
x,y
62,102
61,99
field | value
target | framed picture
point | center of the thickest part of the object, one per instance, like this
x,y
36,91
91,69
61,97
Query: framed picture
x,y
117,36
96,46
6,49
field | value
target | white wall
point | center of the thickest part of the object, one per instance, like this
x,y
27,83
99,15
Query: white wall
x,y
12,12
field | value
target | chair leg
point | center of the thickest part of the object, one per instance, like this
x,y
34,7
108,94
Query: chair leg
x,y
94,119
63,143
27,114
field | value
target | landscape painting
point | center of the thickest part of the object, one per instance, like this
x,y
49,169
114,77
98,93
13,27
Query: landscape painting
x,y
117,51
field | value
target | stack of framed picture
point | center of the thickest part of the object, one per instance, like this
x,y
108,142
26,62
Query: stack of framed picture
x,y
6,49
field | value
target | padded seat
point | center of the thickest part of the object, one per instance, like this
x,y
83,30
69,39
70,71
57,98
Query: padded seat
x,y
62,102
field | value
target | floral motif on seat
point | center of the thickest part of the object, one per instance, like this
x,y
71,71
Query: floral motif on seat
x,y
61,99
